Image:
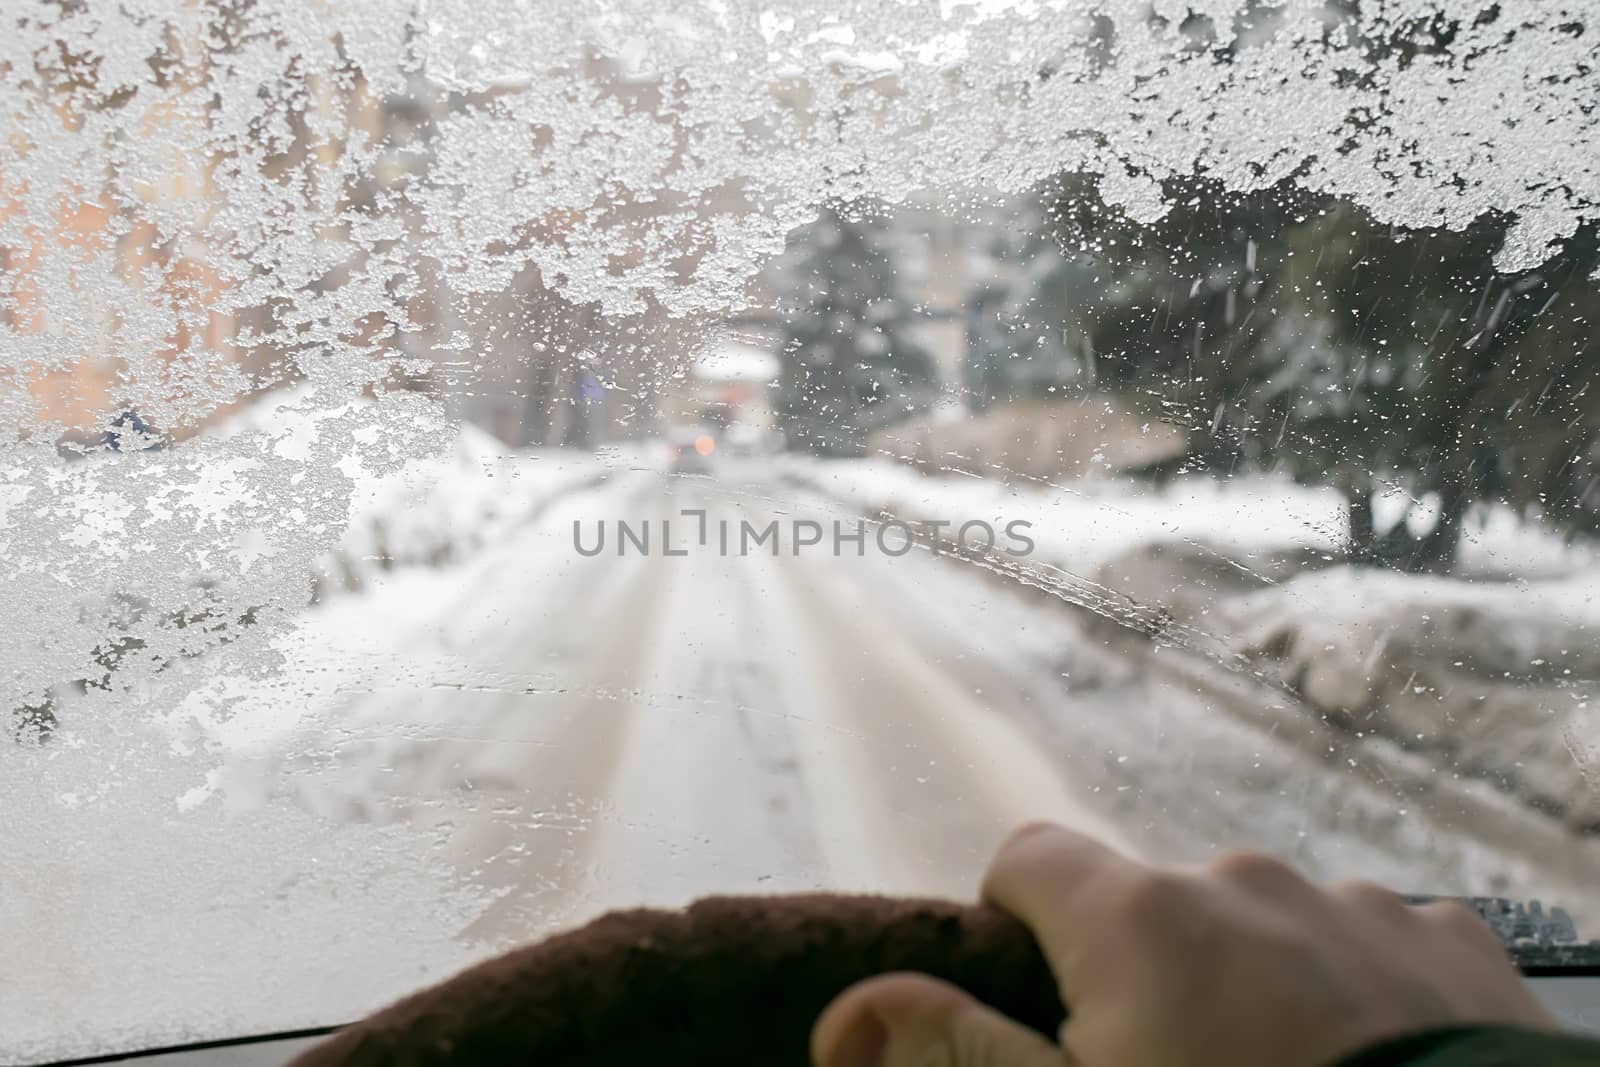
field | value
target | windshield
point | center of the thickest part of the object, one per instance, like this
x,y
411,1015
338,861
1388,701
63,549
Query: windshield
x,y
466,467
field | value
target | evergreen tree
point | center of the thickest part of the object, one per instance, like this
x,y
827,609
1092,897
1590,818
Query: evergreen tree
x,y
1293,332
848,365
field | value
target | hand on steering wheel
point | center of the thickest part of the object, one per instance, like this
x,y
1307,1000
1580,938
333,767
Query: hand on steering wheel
x,y
1241,963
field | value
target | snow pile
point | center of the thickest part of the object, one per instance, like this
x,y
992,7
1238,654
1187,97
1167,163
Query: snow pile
x,y
1497,680
288,540
1080,526
446,507
1494,679
437,504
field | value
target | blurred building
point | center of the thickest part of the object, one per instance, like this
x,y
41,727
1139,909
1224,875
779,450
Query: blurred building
x,y
111,258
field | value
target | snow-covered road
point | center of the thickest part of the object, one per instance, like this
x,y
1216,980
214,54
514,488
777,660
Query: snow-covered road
x,y
649,728
608,731
458,757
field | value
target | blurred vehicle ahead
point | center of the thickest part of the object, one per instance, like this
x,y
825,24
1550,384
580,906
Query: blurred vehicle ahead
x,y
691,448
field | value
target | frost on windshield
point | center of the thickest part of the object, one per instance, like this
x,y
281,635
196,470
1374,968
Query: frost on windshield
x,y
275,272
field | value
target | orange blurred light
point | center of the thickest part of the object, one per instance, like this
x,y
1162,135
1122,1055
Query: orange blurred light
x,y
705,444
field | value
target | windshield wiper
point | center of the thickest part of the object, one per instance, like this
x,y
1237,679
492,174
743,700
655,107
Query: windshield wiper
x,y
1541,942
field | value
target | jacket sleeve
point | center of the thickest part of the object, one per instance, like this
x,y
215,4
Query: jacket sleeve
x,y
1481,1046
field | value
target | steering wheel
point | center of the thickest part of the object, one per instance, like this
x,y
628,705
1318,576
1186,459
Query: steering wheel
x,y
735,981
